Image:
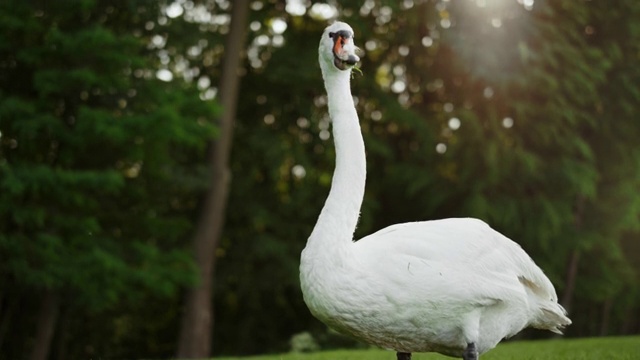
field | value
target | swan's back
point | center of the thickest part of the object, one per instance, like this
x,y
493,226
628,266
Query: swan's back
x,y
461,241
455,272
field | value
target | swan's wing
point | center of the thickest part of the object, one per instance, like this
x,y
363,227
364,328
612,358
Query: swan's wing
x,y
468,250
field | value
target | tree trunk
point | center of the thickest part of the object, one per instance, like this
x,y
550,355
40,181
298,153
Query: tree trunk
x,y
9,309
572,275
63,334
606,315
572,268
197,320
47,318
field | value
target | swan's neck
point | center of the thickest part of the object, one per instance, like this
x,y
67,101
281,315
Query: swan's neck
x,y
337,221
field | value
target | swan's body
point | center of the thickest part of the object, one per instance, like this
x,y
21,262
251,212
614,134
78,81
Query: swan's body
x,y
452,286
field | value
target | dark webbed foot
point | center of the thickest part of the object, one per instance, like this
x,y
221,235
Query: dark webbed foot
x,y
403,356
470,353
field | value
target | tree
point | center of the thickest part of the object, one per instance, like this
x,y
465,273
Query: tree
x,y
99,166
197,321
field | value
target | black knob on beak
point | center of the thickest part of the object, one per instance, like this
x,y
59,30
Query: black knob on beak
x,y
352,59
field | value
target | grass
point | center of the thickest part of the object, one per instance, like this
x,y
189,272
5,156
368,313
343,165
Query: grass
x,y
609,348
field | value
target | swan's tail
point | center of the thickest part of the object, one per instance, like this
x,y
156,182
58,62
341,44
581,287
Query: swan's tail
x,y
547,313
551,316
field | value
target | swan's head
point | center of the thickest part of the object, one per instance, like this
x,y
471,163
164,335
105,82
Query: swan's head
x,y
337,49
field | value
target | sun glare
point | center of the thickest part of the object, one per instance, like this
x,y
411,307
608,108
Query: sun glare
x,y
528,4
296,7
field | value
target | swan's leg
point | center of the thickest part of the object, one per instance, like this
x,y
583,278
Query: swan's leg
x,y
470,353
403,356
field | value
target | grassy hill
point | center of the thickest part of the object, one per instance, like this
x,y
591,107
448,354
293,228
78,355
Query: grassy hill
x,y
610,348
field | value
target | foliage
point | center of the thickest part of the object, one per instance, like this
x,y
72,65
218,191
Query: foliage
x,y
304,342
100,165
522,115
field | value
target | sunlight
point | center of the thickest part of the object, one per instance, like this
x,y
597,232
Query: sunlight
x,y
278,25
454,123
493,9
164,75
488,92
323,11
174,10
427,41
298,171
269,119
507,122
303,122
296,7
204,83
528,4
448,107
158,41
209,94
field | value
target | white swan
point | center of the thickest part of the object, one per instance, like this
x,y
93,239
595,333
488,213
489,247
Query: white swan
x,y
451,286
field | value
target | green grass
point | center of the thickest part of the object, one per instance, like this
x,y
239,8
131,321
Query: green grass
x,y
614,348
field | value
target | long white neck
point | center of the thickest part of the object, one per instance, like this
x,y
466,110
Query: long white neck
x,y
339,217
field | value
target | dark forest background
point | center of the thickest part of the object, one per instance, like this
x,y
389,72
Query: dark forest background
x,y
522,113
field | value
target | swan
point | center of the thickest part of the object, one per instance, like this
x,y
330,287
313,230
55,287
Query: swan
x,y
452,286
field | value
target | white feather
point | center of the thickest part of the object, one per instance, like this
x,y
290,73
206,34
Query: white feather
x,y
414,287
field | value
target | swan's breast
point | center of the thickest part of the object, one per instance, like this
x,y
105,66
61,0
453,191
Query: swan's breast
x,y
363,302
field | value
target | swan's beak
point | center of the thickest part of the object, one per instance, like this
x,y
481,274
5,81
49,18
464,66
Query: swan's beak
x,y
344,52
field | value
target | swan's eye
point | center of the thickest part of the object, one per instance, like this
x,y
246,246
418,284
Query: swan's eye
x,y
331,34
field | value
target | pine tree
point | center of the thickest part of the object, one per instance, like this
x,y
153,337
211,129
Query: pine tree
x,y
99,164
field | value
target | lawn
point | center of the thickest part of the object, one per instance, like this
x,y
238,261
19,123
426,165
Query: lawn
x,y
614,348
